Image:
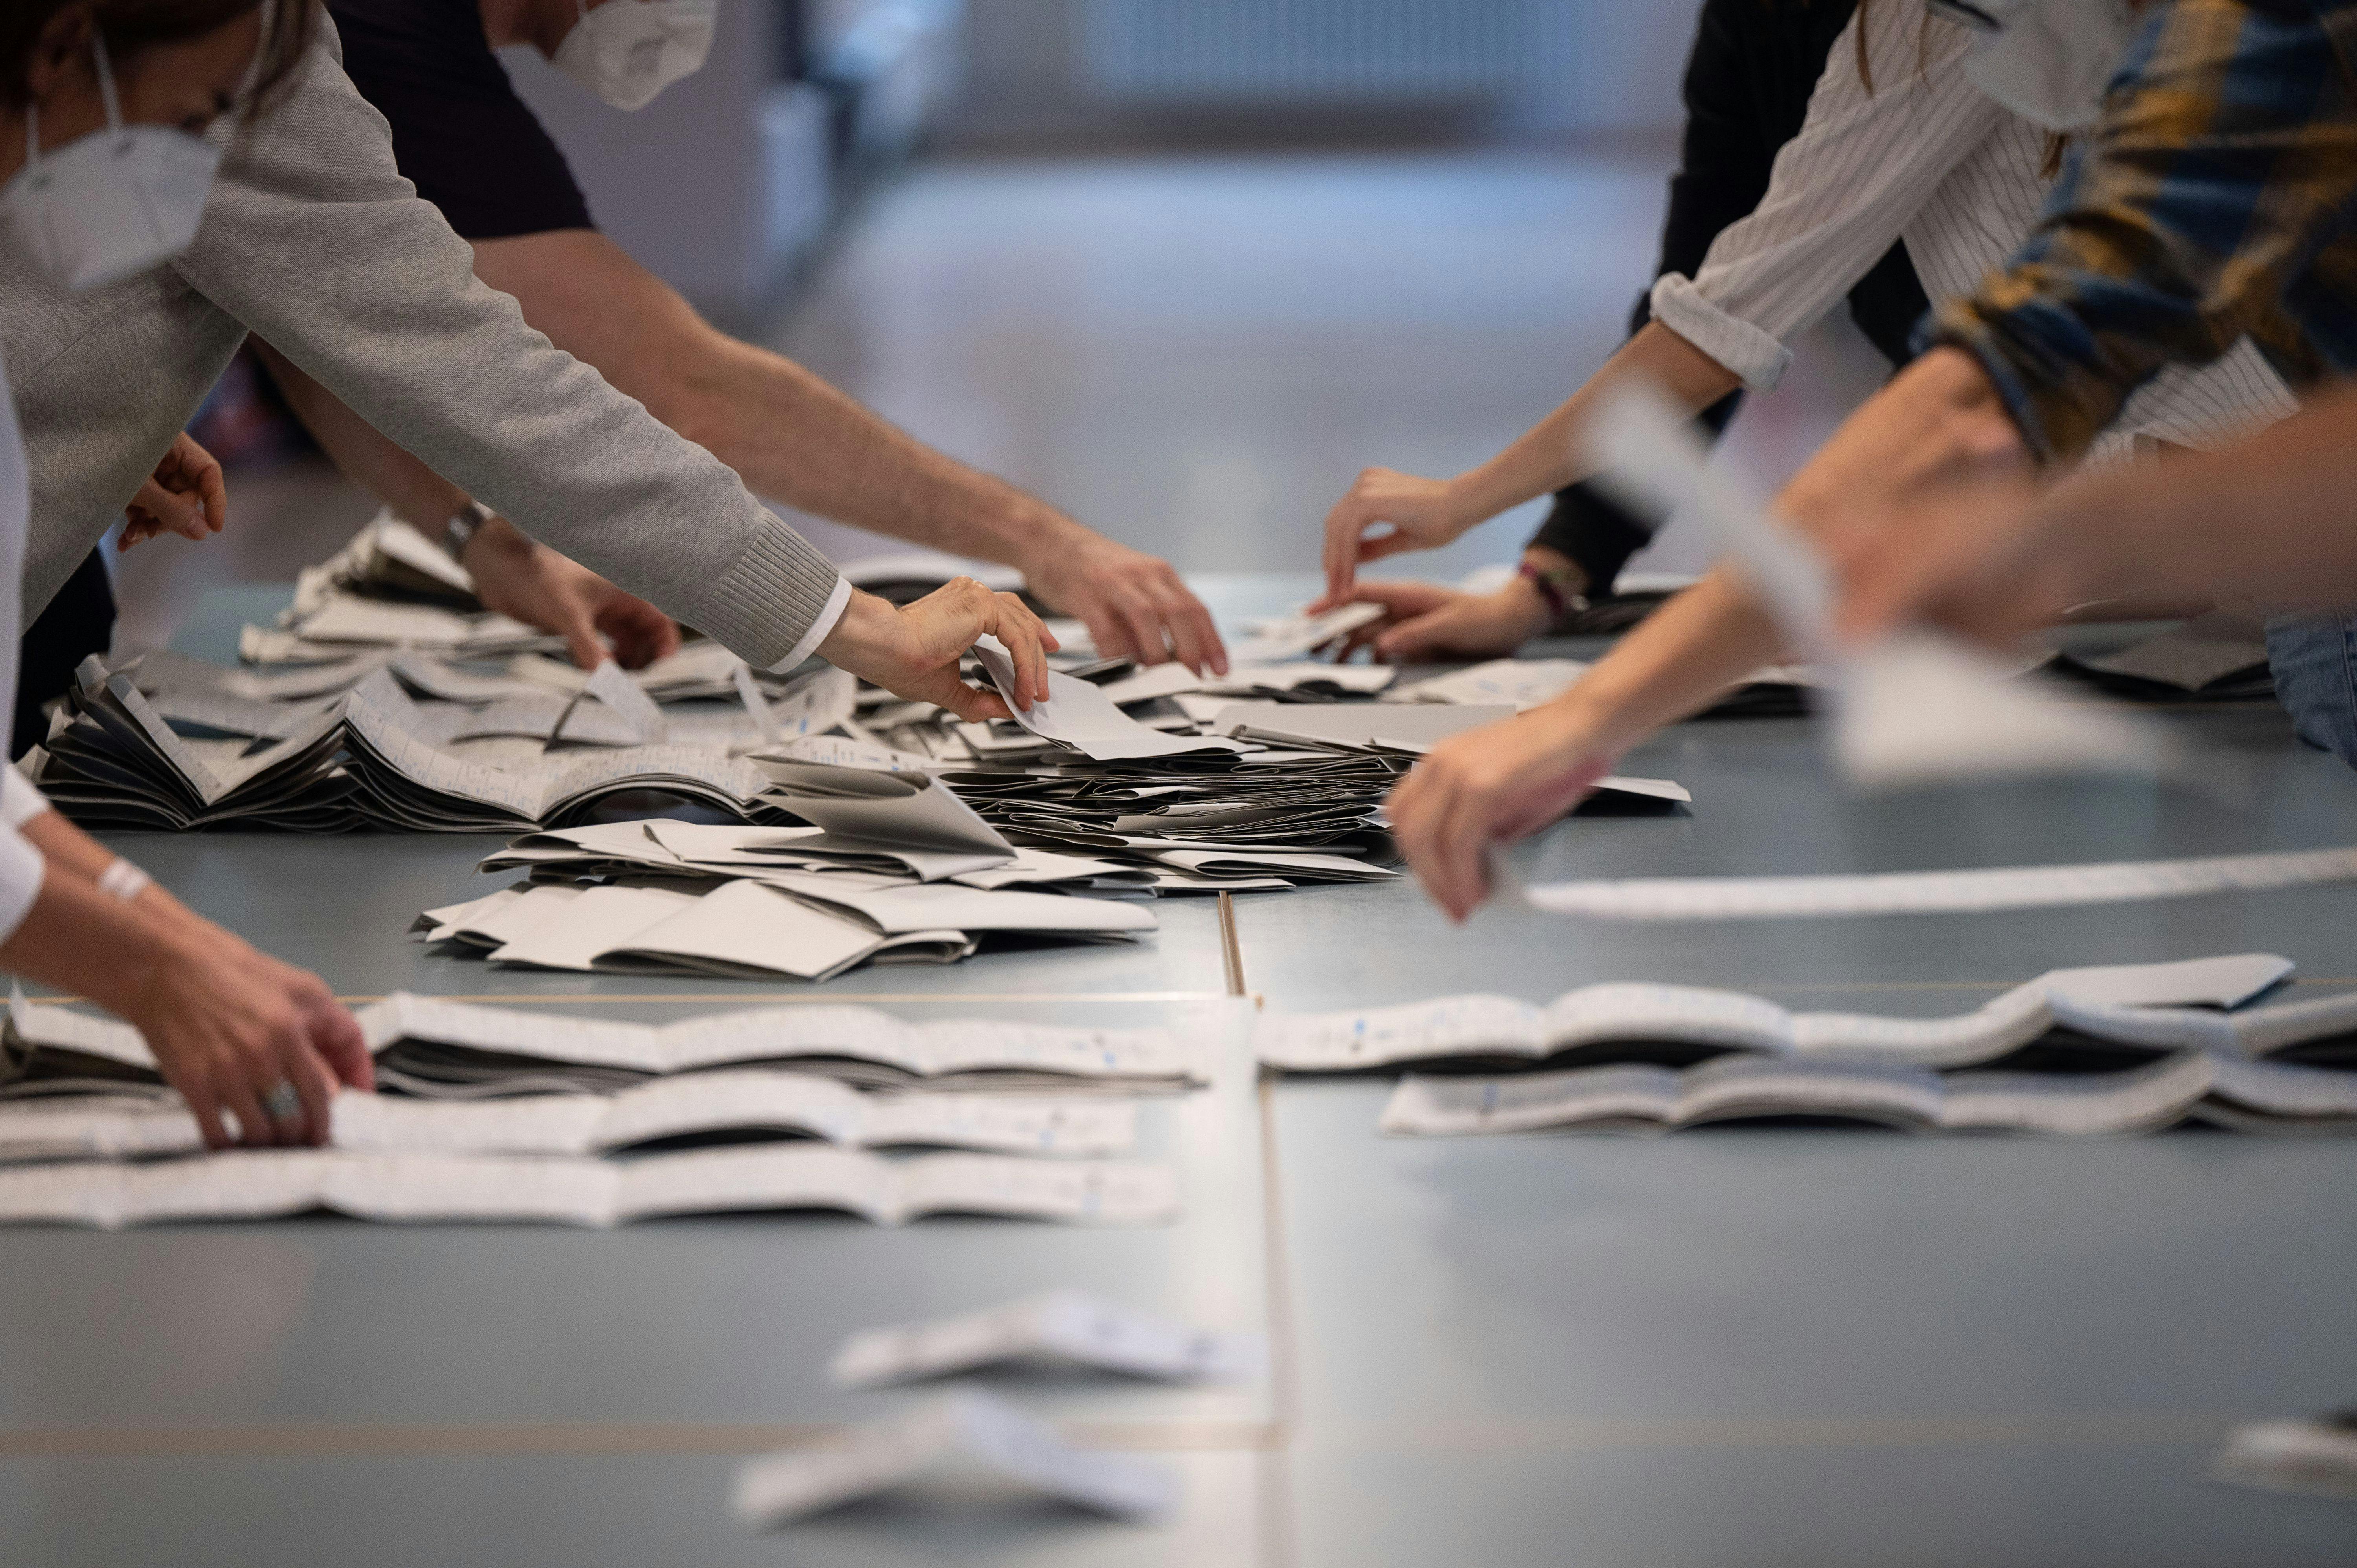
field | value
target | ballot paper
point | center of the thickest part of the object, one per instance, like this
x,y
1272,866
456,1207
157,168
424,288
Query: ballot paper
x,y
120,1126
1146,685
2315,1458
2106,1004
1937,892
1324,679
1404,726
256,1184
1066,1325
1290,637
458,1050
610,686
1518,684
1079,715
463,1044
2239,1095
900,811
1915,707
967,1432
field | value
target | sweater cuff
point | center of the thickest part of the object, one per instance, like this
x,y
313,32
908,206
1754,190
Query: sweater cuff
x,y
1747,353
818,628
777,592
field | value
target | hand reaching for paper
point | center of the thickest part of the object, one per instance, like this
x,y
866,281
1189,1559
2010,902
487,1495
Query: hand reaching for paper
x,y
229,1025
1490,786
1133,603
1423,622
519,576
1418,514
913,651
185,495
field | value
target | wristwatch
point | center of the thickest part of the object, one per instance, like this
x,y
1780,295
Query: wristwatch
x,y
464,524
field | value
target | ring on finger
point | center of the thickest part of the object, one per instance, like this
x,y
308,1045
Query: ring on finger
x,y
282,1103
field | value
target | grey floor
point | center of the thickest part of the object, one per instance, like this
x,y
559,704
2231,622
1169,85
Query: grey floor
x,y
1779,1346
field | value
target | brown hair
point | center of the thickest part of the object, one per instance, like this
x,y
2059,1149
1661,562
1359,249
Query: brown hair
x,y
132,27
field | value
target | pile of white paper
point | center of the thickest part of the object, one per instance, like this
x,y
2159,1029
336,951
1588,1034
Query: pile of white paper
x,y
2146,1006
261,1184
2091,1051
424,1046
493,1113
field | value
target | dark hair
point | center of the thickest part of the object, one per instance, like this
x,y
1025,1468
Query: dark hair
x,y
132,27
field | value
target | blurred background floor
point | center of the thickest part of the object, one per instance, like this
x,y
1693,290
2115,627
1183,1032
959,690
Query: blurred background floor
x,y
1193,350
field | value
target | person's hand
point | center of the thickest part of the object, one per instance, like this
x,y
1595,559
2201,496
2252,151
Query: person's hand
x,y
1486,787
1419,514
518,577
229,1024
913,651
185,495
1133,603
1423,622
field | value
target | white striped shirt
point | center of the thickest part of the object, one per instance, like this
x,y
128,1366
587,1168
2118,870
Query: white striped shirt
x,y
1925,157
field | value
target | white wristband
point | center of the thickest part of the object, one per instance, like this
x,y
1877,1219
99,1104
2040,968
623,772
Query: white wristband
x,y
122,880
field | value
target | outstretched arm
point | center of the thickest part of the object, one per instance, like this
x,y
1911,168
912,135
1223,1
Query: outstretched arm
x,y
796,439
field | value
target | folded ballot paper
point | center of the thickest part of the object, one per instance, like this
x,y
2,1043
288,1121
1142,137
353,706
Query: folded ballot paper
x,y
744,1104
257,1183
969,1441
1067,1325
2232,1092
2144,1006
430,1048
2315,1458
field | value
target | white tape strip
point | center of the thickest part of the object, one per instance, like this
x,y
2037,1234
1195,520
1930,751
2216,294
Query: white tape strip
x,y
123,881
1939,892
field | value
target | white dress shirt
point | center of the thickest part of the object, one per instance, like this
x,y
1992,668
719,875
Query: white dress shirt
x,y
21,864
1926,157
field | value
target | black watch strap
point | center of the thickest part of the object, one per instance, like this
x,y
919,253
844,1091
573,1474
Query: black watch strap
x,y
464,524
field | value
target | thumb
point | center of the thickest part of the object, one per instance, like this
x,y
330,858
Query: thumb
x,y
578,628
177,512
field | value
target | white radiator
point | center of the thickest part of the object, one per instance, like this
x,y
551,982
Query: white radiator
x,y
1317,51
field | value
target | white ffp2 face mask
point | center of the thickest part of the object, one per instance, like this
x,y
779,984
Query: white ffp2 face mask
x,y
626,52
2048,61
109,205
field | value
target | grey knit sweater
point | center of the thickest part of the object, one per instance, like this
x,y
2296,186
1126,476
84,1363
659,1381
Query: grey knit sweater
x,y
314,241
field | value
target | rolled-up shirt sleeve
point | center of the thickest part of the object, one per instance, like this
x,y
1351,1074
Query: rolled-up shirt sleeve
x,y
1841,192
2225,159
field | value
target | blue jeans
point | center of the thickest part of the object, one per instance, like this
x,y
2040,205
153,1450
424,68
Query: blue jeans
x,y
2314,658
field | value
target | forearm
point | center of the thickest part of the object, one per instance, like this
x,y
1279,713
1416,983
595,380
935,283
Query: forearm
x,y
1674,663
89,943
1548,456
417,494
2274,518
788,435
74,855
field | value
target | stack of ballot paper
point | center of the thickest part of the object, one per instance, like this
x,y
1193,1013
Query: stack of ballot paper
x,y
454,1050
2112,1050
489,1113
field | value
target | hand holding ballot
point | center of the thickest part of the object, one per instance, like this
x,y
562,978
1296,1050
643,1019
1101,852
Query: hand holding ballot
x,y
914,651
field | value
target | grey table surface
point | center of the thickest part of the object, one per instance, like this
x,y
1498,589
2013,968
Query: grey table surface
x,y
1731,1346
